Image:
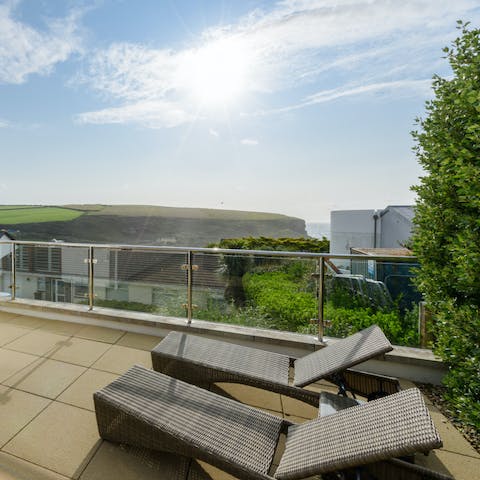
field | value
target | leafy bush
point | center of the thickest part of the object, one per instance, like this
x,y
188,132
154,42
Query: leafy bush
x,y
400,330
447,236
236,266
248,316
276,244
280,297
125,305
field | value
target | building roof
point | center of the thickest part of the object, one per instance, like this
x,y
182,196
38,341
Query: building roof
x,y
406,211
391,252
4,233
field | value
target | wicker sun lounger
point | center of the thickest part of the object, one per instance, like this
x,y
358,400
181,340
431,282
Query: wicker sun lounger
x,y
202,362
157,412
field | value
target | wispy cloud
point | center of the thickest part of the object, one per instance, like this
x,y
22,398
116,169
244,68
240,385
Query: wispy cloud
x,y
213,133
150,113
25,50
250,142
4,123
296,46
422,87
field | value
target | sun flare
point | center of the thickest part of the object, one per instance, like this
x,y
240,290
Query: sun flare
x,y
216,74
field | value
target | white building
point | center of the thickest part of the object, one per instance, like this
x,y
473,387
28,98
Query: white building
x,y
388,228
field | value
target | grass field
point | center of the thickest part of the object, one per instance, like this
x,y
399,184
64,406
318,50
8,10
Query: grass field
x,y
16,207
25,214
175,212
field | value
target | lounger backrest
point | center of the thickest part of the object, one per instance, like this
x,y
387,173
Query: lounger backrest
x,y
341,355
389,427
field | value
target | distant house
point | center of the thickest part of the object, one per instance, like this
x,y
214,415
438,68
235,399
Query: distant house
x,y
359,229
59,273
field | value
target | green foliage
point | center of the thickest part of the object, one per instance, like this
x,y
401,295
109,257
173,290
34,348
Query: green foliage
x,y
248,316
447,236
458,341
236,266
399,329
276,244
125,305
23,214
280,297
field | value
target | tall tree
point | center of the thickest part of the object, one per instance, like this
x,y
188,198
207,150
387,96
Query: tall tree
x,y
447,235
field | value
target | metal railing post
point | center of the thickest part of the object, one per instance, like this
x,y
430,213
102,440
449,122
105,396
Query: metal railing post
x,y
91,291
321,294
14,273
189,287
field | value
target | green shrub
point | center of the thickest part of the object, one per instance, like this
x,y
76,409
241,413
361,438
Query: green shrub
x,y
276,244
281,299
447,235
125,305
400,330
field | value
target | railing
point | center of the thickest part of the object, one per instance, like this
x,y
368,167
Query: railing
x,y
297,291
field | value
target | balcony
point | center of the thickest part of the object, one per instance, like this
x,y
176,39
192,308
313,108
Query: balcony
x,y
55,354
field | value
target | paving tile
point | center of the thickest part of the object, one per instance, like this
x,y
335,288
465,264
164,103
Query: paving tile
x,y
11,362
60,327
80,392
79,351
16,410
460,467
140,341
13,468
113,462
215,473
322,387
27,321
453,440
100,334
294,419
5,317
9,332
45,377
296,408
62,438
38,343
271,412
255,397
119,359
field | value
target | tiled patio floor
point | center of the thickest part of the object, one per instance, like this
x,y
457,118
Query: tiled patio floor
x,y
48,373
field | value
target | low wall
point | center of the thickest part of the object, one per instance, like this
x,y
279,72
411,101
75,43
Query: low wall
x,y
418,365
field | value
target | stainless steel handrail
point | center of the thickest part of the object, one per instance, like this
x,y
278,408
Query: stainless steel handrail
x,y
269,253
189,251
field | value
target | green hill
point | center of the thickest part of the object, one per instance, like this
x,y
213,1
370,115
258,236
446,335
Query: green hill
x,y
142,224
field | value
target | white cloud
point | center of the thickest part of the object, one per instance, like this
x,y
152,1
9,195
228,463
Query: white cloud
x,y
4,123
149,113
422,87
25,50
213,133
387,46
251,142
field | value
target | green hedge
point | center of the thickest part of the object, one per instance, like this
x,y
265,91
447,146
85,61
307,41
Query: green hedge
x,y
276,244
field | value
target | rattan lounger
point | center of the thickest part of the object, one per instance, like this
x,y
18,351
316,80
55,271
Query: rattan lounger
x,y
202,362
154,411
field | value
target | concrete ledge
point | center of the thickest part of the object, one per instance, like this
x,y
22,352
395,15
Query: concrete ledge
x,y
414,364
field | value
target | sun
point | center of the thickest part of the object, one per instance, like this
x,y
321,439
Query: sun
x,y
216,73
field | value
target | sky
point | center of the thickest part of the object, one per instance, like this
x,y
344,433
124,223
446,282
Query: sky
x,y
297,107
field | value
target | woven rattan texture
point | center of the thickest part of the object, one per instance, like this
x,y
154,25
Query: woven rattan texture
x,y
392,426
227,357
366,384
155,411
340,355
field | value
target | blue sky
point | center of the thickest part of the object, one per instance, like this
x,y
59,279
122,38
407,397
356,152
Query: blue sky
x,y
297,107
